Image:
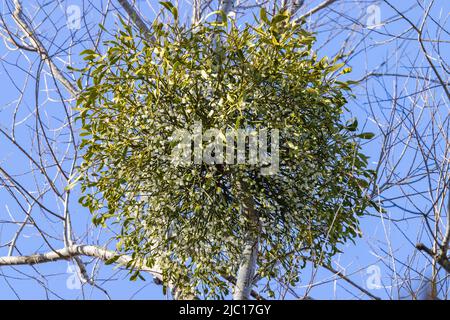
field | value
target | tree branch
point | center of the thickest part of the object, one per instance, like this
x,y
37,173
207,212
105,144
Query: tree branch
x,y
132,13
71,252
247,267
316,9
75,251
441,259
40,48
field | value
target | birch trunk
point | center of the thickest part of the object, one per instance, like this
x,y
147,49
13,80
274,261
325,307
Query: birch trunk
x,y
247,266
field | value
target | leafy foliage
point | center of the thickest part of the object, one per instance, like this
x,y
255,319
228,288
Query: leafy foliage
x,y
187,219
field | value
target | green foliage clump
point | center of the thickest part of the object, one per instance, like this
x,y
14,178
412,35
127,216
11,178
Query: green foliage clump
x,y
188,219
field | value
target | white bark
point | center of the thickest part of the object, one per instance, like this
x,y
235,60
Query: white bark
x,y
247,266
72,252
247,269
75,251
226,6
133,14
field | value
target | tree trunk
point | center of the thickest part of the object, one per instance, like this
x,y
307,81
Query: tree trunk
x,y
247,266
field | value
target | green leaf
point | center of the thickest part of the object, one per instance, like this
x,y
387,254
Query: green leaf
x,y
279,18
336,67
346,70
366,135
88,52
352,124
135,276
204,74
112,260
263,15
223,16
169,6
